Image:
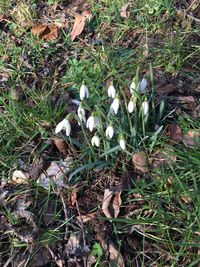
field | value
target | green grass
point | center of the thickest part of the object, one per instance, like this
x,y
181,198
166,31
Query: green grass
x,y
163,218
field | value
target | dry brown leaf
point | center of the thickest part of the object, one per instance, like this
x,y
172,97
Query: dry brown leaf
x,y
4,76
88,217
140,161
165,89
111,203
55,173
175,133
124,12
116,258
79,24
192,139
73,196
186,199
45,32
61,145
163,158
20,177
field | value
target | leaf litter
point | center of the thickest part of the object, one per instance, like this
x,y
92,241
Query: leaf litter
x,y
110,199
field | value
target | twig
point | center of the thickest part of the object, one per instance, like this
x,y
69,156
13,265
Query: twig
x,y
10,260
65,212
83,232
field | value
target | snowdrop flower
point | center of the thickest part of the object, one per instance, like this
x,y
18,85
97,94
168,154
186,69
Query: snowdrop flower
x,y
95,141
76,102
111,91
92,122
145,107
84,92
115,105
131,105
132,86
110,131
143,85
64,124
122,142
81,113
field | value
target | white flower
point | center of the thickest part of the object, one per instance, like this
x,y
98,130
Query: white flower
x,y
143,85
145,107
95,141
132,86
110,131
92,122
76,102
115,105
81,114
131,106
84,92
64,124
122,143
111,91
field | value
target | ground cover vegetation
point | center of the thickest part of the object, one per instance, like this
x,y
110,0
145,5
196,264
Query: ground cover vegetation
x,y
99,133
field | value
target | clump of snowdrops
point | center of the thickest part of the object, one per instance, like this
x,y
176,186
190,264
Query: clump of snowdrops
x,y
116,122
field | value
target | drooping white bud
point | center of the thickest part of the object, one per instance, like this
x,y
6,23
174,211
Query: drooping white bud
x,y
111,91
145,107
92,122
131,106
81,114
143,86
122,143
133,86
95,141
109,131
64,124
115,105
84,92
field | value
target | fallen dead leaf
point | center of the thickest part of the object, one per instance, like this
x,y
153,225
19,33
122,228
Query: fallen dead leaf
x,y
174,132
186,199
20,177
116,258
124,12
187,102
75,246
4,76
111,202
192,139
55,173
46,32
88,217
163,158
61,145
79,24
140,161
73,196
165,89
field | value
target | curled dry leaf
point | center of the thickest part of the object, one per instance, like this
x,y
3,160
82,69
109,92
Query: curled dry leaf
x,y
124,12
140,161
174,132
61,145
45,32
20,177
192,139
79,24
111,202
88,217
116,258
